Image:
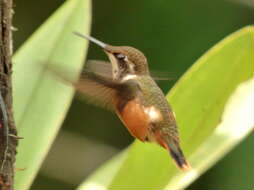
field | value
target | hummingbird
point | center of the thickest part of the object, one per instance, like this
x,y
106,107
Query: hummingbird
x,y
124,85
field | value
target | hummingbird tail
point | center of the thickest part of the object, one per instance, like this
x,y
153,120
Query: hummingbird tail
x,y
177,154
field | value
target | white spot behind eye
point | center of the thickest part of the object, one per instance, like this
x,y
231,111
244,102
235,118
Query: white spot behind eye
x,y
154,113
128,77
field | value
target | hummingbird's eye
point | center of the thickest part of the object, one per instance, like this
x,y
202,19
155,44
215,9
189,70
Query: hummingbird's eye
x,y
120,56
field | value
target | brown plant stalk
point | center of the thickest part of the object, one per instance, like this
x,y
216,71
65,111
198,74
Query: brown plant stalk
x,y
8,133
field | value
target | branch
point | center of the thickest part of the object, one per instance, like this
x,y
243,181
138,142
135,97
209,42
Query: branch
x,y
8,133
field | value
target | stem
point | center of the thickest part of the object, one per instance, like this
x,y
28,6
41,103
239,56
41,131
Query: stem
x,y
8,133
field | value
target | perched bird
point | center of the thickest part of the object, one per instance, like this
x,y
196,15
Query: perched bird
x,y
124,85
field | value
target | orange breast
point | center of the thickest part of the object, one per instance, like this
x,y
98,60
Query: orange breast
x,y
135,119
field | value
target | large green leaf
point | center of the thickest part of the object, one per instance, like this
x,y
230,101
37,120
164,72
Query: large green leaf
x,y
101,179
214,102
40,101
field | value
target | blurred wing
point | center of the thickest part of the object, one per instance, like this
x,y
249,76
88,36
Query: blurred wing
x,y
101,68
104,69
97,89
160,75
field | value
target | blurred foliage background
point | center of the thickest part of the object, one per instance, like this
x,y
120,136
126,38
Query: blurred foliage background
x,y
172,34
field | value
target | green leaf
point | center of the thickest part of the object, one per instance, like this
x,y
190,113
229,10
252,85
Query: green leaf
x,y
99,180
40,101
214,102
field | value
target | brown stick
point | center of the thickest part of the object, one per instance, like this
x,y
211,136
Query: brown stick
x,y
8,132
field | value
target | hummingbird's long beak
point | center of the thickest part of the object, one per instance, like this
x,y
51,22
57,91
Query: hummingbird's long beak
x,y
91,39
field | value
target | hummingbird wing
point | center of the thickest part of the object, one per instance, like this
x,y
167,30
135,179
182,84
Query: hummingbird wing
x,y
95,83
95,86
101,90
101,68
97,89
162,75
104,68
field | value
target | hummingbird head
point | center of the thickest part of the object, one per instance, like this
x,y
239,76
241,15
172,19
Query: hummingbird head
x,y
126,61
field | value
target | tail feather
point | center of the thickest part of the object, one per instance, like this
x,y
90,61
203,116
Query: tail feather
x,y
178,156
